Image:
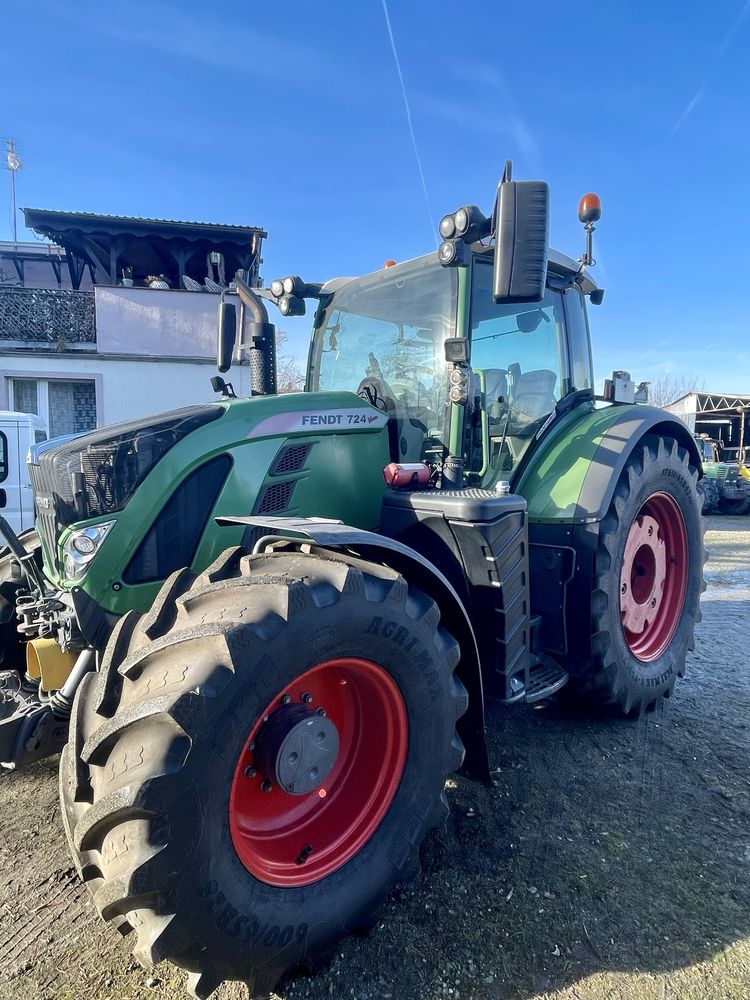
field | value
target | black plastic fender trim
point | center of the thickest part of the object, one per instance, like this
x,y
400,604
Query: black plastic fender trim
x,y
615,449
414,567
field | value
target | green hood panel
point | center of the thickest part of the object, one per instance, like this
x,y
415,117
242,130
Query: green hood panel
x,y
337,473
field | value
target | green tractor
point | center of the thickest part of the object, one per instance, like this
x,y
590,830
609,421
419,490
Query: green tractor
x,y
724,487
263,630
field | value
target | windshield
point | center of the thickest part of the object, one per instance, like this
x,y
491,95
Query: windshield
x,y
382,336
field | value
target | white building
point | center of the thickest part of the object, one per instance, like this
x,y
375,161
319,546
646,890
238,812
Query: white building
x,y
85,337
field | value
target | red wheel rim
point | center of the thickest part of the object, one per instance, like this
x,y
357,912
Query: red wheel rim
x,y
296,839
653,579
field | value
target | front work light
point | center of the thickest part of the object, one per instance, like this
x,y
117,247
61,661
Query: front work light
x,y
452,253
468,224
291,305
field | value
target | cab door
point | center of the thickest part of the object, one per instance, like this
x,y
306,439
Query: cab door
x,y
519,354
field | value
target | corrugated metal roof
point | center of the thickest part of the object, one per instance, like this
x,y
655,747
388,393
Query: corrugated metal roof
x,y
69,217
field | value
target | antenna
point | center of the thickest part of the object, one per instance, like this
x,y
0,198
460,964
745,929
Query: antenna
x,y
13,165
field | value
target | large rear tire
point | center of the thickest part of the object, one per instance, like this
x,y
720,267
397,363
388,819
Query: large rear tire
x,y
171,783
648,582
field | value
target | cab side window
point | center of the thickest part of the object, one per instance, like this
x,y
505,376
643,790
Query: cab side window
x,y
3,457
581,365
519,353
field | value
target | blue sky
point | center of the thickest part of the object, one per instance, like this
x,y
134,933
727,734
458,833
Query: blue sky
x,y
291,117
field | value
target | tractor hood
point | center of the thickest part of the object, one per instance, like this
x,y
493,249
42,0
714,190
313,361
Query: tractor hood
x,y
150,490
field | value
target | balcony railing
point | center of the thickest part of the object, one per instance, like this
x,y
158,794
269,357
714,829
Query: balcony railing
x,y
47,316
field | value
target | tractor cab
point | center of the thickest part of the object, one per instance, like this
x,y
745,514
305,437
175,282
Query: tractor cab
x,y
384,337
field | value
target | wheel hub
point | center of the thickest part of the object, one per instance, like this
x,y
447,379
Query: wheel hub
x,y
297,749
644,570
654,576
345,718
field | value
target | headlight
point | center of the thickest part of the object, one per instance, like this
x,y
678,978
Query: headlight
x,y
81,547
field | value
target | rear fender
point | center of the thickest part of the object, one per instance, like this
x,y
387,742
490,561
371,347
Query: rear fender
x,y
572,477
368,545
569,485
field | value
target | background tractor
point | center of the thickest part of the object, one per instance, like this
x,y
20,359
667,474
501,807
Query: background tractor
x,y
264,629
725,485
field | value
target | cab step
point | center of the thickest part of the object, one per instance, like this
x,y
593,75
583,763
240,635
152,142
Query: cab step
x,y
545,678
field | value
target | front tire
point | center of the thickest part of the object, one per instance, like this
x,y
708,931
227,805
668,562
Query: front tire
x,y
170,784
648,582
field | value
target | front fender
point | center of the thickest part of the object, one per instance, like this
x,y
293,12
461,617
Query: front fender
x,y
572,477
416,569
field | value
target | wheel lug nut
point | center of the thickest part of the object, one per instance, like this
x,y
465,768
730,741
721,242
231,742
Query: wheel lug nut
x,y
307,698
320,711
251,745
250,772
286,699
290,787
266,786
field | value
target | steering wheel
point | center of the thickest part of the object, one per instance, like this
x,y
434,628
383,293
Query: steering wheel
x,y
376,391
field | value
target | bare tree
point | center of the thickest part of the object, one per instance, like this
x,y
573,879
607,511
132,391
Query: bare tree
x,y
667,388
289,375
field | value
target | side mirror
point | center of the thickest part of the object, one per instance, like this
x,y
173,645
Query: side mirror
x,y
521,242
226,336
3,498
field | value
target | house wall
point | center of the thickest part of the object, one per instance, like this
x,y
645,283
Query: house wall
x,y
125,388
155,350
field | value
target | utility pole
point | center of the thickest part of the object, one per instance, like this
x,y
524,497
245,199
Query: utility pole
x,y
14,165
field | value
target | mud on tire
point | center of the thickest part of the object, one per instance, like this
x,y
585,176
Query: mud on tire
x,y
145,779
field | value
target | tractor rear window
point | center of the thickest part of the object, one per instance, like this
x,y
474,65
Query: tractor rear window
x,y
384,334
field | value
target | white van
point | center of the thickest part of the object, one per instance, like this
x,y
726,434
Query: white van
x,y
18,431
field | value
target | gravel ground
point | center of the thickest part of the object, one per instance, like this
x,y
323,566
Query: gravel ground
x,y
610,860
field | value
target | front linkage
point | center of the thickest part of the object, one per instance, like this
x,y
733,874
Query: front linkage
x,y
38,626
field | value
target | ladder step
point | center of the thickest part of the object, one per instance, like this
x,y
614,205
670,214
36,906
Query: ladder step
x,y
544,680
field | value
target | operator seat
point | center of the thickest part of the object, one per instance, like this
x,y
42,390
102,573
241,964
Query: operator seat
x,y
533,393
